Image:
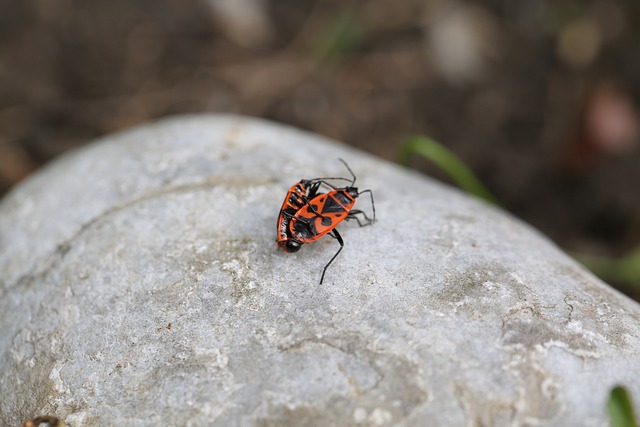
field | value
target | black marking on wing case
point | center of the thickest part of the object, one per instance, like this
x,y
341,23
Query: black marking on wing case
x,y
304,229
332,206
342,198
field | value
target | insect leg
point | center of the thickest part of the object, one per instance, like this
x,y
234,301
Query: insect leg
x,y
373,206
353,215
318,181
333,233
313,190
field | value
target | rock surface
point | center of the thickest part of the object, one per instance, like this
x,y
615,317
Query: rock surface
x,y
141,285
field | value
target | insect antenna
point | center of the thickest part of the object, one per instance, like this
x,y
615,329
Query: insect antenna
x,y
350,171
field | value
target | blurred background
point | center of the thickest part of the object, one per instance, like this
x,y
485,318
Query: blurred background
x,y
540,99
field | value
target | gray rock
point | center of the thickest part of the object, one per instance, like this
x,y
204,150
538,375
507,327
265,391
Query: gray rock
x,y
141,285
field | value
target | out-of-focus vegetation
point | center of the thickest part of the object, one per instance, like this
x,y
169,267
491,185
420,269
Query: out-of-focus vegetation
x,y
448,162
621,408
539,99
624,270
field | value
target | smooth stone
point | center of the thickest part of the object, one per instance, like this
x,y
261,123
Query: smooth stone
x,y
141,285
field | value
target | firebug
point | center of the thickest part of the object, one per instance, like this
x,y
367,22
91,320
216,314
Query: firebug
x,y
321,213
298,195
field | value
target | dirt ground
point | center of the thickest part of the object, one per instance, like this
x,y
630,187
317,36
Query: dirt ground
x,y
540,99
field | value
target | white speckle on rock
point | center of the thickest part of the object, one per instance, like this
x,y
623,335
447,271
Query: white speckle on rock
x,y
380,417
213,358
489,285
56,380
359,415
77,418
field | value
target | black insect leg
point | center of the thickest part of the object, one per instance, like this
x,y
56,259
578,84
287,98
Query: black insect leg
x,y
318,181
373,206
313,209
313,190
333,233
353,215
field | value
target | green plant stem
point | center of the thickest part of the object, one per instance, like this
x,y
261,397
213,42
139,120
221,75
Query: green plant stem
x,y
448,162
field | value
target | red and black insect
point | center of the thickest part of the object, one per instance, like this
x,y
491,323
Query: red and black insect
x,y
319,214
297,196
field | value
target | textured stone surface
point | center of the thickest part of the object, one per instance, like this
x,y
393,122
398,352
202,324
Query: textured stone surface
x,y
141,284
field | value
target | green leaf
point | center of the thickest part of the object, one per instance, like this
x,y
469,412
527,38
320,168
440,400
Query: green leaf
x,y
620,408
622,270
448,162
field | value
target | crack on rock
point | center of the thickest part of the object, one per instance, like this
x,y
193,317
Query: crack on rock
x,y
529,329
533,399
570,307
534,332
483,288
46,263
527,336
598,308
393,397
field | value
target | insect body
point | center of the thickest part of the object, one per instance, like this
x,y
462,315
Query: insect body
x,y
321,213
296,197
